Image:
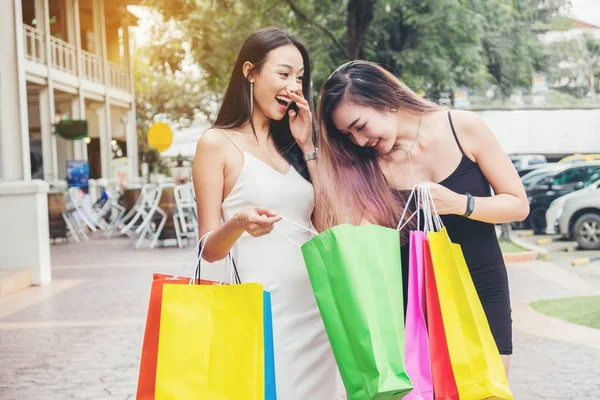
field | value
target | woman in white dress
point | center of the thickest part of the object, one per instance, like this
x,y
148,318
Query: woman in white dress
x,y
251,170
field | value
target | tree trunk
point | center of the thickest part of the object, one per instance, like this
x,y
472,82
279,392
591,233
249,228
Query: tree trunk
x,y
360,15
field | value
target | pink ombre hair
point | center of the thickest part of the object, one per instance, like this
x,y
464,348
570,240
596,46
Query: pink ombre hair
x,y
353,189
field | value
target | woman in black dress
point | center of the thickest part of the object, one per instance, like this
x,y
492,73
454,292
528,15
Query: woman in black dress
x,y
377,135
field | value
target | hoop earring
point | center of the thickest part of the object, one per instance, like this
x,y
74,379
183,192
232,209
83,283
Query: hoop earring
x,y
251,98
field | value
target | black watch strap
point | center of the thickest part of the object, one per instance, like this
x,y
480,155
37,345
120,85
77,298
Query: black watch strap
x,y
470,205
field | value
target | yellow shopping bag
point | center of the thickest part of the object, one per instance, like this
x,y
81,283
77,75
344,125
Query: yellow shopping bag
x,y
211,343
475,359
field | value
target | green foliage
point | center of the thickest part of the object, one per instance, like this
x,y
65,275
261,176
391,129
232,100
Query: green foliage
x,y
435,45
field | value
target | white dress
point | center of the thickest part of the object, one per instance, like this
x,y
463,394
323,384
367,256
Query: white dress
x,y
304,364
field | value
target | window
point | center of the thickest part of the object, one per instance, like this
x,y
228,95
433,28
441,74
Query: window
x,y
571,176
594,175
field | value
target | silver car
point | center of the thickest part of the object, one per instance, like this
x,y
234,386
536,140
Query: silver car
x,y
578,217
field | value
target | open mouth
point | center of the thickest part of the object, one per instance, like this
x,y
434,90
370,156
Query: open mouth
x,y
283,101
374,143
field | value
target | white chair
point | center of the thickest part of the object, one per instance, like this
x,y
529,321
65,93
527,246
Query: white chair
x,y
185,219
116,211
147,209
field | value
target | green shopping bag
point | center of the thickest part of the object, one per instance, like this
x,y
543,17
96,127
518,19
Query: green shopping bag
x,y
356,274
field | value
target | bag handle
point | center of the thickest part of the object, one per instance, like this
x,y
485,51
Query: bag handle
x,y
433,221
415,189
312,231
235,276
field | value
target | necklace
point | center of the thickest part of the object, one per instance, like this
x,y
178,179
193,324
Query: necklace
x,y
412,176
415,141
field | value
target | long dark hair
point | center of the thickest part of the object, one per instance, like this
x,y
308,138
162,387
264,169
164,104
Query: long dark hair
x,y
235,108
353,184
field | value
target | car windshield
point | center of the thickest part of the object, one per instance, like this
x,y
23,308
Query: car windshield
x,y
536,176
594,176
570,176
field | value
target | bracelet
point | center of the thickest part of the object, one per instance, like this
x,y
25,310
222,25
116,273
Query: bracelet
x,y
312,156
470,205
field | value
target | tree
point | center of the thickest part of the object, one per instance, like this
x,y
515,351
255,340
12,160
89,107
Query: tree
x,y
435,45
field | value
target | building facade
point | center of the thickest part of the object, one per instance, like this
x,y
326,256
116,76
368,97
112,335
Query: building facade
x,y
61,59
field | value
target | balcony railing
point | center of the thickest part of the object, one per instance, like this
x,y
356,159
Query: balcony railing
x,y
119,77
64,57
34,44
92,66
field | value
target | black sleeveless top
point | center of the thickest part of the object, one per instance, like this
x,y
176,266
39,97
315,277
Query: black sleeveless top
x,y
481,250
478,239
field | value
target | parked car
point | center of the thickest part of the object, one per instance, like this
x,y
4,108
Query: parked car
x,y
536,175
525,160
557,207
580,157
579,218
535,167
542,194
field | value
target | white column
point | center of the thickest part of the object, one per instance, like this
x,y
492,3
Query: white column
x,y
48,144
24,235
132,141
51,173
79,103
107,132
97,20
132,148
105,139
14,125
78,145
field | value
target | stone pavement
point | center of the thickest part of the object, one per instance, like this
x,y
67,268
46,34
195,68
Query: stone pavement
x,y
80,337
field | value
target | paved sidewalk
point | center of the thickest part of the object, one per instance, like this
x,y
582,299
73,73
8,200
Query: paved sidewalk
x,y
80,337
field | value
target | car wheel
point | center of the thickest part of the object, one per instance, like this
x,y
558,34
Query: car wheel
x,y
537,219
587,231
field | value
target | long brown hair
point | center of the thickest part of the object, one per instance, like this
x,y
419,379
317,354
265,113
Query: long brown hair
x,y
235,108
353,185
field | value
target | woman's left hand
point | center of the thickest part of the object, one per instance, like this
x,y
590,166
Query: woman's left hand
x,y
446,201
301,122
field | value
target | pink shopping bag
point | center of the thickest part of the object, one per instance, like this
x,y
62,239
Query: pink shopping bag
x,y
418,362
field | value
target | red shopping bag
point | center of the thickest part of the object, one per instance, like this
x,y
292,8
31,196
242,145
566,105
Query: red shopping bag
x,y
147,377
444,384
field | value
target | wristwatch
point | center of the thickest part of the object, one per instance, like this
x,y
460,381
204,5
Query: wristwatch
x,y
312,156
470,205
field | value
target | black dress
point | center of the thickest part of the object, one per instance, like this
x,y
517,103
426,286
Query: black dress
x,y
481,250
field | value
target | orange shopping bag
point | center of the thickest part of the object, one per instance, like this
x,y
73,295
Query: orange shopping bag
x,y
147,377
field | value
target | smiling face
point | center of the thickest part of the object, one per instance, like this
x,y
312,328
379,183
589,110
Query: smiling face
x,y
283,70
366,126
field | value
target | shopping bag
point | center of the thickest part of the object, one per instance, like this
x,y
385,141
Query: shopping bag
x,y
355,272
211,343
147,376
476,363
418,362
444,385
270,386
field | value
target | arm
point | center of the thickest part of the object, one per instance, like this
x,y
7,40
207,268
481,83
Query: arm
x,y
209,177
301,127
509,203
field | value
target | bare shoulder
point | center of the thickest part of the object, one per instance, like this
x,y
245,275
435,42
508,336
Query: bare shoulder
x,y
212,140
468,122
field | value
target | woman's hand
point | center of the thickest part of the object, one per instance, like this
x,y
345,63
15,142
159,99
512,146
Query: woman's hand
x,y
257,221
301,122
446,201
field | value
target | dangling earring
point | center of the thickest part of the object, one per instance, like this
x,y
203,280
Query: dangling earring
x,y
251,98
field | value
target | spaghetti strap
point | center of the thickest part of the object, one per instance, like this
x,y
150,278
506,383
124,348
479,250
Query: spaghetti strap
x,y
454,133
232,141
